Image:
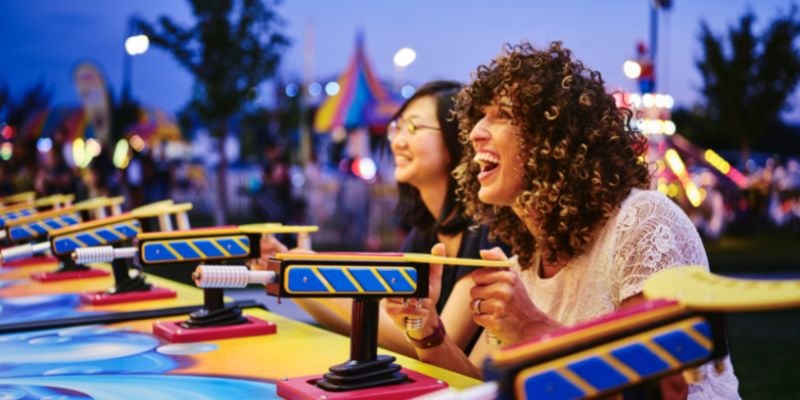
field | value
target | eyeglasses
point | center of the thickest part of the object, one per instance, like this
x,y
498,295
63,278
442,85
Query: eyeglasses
x,y
395,127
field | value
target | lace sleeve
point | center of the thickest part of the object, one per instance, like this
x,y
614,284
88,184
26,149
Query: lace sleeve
x,y
652,233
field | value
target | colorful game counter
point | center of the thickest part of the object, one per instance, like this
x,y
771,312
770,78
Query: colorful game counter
x,y
124,360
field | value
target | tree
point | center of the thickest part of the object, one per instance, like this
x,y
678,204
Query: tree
x,y
747,85
34,99
232,48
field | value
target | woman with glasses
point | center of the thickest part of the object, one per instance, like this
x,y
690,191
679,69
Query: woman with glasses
x,y
424,141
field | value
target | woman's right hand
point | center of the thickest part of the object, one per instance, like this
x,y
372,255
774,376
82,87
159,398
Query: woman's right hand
x,y
268,245
400,309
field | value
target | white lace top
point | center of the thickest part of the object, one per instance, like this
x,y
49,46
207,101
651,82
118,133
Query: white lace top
x,y
648,233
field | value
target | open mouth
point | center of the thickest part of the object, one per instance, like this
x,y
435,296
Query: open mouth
x,y
487,162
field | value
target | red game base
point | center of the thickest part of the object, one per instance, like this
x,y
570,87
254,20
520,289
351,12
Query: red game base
x,y
29,262
103,298
173,332
303,388
67,275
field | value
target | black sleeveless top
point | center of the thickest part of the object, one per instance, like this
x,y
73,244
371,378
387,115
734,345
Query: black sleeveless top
x,y
473,240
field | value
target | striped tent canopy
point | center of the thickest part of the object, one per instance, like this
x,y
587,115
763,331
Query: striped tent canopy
x,y
43,124
154,125
361,101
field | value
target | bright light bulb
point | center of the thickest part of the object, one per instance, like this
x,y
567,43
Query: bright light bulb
x,y
404,57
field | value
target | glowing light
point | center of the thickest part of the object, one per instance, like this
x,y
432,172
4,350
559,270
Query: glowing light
x,y
137,44
672,190
632,69
8,132
717,161
332,88
404,57
675,162
636,100
121,151
648,100
693,194
669,102
314,89
669,127
407,91
298,180
93,148
652,126
44,144
679,169
659,100
78,151
137,143
364,168
292,90
6,150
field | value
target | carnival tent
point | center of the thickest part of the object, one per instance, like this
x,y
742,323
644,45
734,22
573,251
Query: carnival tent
x,y
44,124
361,101
154,126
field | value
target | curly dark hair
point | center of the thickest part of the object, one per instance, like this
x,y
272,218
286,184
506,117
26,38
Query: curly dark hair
x,y
581,155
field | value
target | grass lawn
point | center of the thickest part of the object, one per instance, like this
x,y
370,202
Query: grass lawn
x,y
765,347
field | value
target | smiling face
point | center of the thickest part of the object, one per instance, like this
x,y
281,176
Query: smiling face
x,y
421,157
495,139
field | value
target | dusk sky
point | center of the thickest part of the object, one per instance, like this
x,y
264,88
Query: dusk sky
x,y
43,39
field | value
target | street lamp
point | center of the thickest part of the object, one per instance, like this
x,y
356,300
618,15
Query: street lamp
x,y
135,44
402,59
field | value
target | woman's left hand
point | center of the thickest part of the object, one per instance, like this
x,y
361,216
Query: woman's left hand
x,y
501,304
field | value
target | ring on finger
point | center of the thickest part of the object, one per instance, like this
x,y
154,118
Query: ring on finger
x,y
476,306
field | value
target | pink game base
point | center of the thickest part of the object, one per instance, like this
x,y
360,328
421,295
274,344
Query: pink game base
x,y
173,332
30,262
103,298
303,388
67,275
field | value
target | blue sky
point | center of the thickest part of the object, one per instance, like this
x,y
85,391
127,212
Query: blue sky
x,y
43,39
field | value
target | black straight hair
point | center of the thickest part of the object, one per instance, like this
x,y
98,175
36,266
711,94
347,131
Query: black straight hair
x,y
410,208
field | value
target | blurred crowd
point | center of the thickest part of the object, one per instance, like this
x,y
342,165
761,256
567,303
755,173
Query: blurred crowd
x,y
272,189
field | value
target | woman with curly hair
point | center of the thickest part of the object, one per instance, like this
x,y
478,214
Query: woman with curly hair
x,y
555,170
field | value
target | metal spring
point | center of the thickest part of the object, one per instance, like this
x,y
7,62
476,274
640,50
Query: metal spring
x,y
414,323
492,340
95,254
229,276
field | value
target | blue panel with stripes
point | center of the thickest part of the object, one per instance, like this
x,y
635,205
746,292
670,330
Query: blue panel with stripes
x,y
639,358
40,229
703,328
153,252
129,231
303,280
186,251
551,385
598,373
208,248
338,280
681,346
88,239
108,235
18,233
367,280
53,223
66,245
234,248
396,280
